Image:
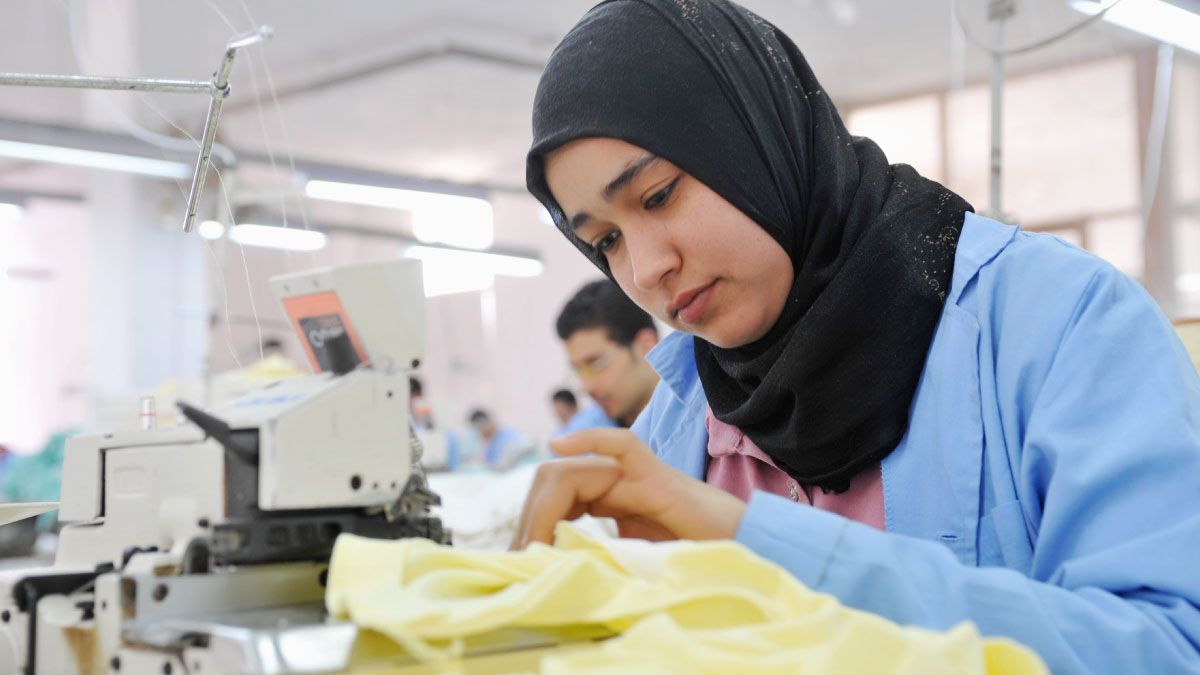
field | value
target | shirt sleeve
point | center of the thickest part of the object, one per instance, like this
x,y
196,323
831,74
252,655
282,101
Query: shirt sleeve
x,y
1107,467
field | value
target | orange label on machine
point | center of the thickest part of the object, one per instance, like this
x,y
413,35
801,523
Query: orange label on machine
x,y
320,321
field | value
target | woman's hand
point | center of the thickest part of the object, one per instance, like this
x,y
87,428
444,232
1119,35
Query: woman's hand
x,y
626,482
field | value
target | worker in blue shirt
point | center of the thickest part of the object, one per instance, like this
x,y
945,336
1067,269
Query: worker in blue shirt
x,y
591,417
565,406
943,418
495,446
607,338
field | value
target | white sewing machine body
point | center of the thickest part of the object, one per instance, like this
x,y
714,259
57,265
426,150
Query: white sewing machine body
x,y
185,548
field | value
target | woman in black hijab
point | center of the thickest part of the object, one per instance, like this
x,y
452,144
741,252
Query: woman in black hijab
x,y
874,342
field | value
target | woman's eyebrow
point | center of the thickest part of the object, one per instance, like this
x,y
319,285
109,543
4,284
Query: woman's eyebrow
x,y
617,184
579,220
628,175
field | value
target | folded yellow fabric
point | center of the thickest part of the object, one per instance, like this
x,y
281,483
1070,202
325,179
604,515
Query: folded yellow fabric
x,y
677,607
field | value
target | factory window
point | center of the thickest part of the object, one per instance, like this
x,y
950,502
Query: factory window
x,y
908,130
1071,152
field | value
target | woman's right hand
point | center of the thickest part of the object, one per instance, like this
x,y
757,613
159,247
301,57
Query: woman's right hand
x,y
626,482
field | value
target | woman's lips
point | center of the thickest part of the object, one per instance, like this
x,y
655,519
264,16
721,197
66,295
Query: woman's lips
x,y
695,307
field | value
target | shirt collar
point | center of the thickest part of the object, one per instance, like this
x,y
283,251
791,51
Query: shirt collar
x,y
981,240
674,359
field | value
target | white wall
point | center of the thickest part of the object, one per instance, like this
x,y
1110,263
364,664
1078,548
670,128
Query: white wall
x,y
43,322
100,301
533,362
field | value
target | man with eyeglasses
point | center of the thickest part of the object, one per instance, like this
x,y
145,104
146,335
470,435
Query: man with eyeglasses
x,y
607,337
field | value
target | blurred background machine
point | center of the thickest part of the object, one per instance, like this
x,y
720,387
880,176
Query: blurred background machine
x,y
203,547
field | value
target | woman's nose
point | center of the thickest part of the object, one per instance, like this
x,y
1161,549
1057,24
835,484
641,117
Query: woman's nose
x,y
653,256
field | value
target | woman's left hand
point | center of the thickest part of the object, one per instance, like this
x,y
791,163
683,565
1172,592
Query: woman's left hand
x,y
627,482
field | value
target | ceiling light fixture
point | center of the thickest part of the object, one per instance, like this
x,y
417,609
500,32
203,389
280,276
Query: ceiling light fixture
x,y
449,270
92,159
499,263
287,238
10,213
211,229
438,218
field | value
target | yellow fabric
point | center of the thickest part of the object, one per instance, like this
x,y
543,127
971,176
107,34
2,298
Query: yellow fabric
x,y
1189,334
272,367
678,607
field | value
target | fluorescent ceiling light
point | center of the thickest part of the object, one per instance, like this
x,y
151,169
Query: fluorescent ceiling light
x,y
211,229
1188,283
10,214
269,236
91,159
453,220
442,280
1163,21
447,271
497,263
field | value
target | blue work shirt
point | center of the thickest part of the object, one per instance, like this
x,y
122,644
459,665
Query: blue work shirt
x,y
505,446
590,417
1048,486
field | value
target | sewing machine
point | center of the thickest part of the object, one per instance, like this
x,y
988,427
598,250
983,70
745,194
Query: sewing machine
x,y
203,548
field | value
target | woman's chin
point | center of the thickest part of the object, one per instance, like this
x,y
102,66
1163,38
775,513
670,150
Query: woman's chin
x,y
719,339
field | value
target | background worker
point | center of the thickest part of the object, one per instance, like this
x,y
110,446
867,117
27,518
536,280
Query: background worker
x,y
607,338
565,405
496,446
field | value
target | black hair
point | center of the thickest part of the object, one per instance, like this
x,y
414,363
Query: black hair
x,y
479,415
414,387
602,304
565,396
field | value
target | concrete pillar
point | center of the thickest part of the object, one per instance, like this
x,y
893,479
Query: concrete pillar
x,y
1158,247
148,291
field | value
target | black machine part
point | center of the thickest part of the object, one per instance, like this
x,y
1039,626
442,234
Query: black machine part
x,y
250,535
28,591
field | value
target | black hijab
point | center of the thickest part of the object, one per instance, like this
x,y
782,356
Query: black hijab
x,y
720,93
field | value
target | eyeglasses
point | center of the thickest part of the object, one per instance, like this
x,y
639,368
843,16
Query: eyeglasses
x,y
597,364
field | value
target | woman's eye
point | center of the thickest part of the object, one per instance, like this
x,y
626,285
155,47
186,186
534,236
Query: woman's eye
x,y
607,242
659,198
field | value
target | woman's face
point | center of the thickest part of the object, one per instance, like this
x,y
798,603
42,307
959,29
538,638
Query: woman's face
x,y
677,248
